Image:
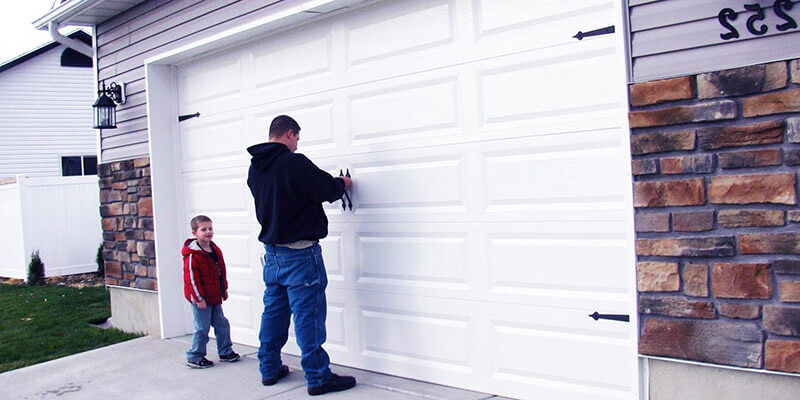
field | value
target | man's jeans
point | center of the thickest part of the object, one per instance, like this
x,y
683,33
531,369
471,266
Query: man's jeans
x,y
295,283
204,319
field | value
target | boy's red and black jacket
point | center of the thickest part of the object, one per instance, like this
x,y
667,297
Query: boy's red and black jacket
x,y
200,278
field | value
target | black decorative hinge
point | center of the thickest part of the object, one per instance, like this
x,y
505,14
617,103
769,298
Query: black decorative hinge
x,y
182,118
615,317
597,32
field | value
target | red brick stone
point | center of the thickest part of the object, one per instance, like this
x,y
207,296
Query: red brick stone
x,y
793,130
749,189
140,270
693,221
655,92
652,222
145,283
710,111
718,137
739,311
697,164
769,243
695,280
119,236
141,162
782,355
145,206
750,218
741,281
686,247
676,307
112,281
657,277
112,269
718,342
130,246
146,249
660,142
790,291
789,267
750,158
682,192
741,81
112,210
772,103
110,224
795,71
782,320
792,158
644,167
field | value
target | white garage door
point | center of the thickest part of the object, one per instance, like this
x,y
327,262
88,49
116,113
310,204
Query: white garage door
x,y
491,213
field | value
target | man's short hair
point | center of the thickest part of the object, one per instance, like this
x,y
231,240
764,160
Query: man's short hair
x,y
195,222
281,124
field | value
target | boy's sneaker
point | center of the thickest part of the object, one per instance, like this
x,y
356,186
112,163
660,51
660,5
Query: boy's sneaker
x,y
282,372
202,363
335,383
231,357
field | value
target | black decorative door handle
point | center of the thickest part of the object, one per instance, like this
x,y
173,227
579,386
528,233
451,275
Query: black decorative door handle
x,y
597,32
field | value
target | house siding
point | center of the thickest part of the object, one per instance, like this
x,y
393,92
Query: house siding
x,y
45,113
682,37
149,29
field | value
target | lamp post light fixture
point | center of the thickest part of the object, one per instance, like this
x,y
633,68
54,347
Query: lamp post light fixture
x,y
105,107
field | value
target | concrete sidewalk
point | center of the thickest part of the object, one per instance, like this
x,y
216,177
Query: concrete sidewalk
x,y
151,368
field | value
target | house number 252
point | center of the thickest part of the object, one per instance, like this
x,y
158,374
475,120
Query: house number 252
x,y
727,15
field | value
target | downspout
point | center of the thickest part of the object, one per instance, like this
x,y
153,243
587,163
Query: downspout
x,y
73,44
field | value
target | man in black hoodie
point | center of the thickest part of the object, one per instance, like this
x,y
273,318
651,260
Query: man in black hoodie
x,y
289,190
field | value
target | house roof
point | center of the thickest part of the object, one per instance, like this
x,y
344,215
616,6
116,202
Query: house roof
x,y
83,12
78,34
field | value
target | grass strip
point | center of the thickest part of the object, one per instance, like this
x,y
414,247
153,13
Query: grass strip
x,y
41,323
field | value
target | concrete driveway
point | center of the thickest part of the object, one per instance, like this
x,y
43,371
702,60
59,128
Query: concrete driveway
x,y
152,368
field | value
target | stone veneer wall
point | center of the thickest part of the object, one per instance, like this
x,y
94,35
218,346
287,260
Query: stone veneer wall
x,y
127,210
715,161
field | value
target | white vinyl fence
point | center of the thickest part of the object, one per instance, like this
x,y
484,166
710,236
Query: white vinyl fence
x,y
59,216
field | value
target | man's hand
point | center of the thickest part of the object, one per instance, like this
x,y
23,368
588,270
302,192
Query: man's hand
x,y
347,182
201,305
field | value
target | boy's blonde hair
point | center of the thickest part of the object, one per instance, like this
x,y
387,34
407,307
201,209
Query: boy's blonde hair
x,y
195,222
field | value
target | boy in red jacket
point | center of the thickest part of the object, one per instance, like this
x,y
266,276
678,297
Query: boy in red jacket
x,y
205,286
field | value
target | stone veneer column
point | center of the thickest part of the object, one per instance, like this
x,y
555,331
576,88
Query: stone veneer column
x,y
715,160
127,211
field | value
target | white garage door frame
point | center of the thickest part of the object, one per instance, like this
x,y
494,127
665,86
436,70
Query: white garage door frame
x,y
165,150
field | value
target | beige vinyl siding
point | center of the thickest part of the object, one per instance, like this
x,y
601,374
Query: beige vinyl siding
x,y
45,113
682,37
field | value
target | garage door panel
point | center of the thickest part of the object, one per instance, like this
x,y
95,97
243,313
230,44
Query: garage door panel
x,y
212,143
553,177
218,81
427,105
513,91
278,62
394,333
332,255
221,195
543,263
316,120
406,27
432,261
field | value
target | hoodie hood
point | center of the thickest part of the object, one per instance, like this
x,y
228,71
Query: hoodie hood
x,y
265,154
191,246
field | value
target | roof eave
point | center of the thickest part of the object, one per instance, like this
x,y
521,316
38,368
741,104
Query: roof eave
x,y
64,13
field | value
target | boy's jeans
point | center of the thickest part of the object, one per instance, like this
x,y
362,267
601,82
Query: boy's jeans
x,y
204,319
295,283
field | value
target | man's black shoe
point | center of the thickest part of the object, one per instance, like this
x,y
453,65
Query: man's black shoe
x,y
200,364
335,383
232,357
282,372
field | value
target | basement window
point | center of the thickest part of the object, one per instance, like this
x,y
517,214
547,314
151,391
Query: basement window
x,y
78,165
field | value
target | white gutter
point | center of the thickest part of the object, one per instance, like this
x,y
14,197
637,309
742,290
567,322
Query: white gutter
x,y
73,44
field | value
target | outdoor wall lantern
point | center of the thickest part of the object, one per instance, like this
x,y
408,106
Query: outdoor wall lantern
x,y
105,107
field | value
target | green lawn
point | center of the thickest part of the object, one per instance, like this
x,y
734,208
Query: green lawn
x,y
41,323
